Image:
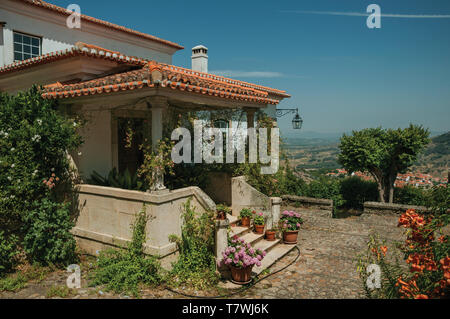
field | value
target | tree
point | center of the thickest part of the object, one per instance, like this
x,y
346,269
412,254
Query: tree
x,y
383,154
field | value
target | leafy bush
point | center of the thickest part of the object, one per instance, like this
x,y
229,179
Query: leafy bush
x,y
410,195
325,187
35,173
356,191
122,180
187,175
125,270
196,265
428,259
47,233
34,141
8,253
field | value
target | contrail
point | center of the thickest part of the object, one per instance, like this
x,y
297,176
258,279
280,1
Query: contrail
x,y
384,15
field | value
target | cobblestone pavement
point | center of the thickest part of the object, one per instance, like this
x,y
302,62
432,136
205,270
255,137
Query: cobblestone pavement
x,y
325,268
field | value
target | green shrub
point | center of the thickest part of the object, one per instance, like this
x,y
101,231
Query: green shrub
x,y
325,187
47,234
410,195
122,180
196,265
8,253
34,141
356,191
124,270
186,175
13,283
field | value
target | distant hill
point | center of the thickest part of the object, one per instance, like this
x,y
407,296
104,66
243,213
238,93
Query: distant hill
x,y
321,152
436,157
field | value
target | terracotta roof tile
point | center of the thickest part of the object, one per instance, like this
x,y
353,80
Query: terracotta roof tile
x,y
63,11
167,76
80,49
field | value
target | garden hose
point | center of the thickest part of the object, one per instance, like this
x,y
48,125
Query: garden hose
x,y
240,290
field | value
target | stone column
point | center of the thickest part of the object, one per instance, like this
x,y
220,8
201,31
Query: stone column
x,y
275,210
221,241
158,107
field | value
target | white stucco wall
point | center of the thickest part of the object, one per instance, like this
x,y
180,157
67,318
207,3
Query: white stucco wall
x,y
57,36
96,150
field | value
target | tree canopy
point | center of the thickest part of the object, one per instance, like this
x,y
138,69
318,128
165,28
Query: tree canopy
x,y
383,153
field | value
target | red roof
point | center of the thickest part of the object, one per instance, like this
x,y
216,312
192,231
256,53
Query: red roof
x,y
162,75
80,49
63,11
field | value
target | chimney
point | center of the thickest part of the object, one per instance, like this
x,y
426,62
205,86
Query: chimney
x,y
200,58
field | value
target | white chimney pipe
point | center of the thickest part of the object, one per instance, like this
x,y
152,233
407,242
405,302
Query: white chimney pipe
x,y
200,58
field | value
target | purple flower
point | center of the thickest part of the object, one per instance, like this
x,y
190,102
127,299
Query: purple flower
x,y
298,225
258,264
259,257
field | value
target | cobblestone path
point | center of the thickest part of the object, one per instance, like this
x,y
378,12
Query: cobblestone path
x,y
326,267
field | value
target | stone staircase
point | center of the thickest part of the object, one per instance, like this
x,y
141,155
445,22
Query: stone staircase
x,y
274,249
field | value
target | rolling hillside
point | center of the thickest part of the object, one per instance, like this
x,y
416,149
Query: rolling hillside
x,y
321,153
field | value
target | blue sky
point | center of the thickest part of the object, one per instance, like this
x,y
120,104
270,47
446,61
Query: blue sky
x,y
341,74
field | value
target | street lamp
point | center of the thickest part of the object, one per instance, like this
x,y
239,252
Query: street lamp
x,y
297,121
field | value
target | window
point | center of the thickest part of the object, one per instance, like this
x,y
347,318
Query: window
x,y
26,46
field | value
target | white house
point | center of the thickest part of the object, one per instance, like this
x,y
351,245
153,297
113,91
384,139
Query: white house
x,y
108,73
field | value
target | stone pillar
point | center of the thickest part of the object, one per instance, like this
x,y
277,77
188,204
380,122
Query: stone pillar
x,y
275,210
221,241
158,107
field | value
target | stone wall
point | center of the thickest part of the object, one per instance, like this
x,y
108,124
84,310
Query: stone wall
x,y
243,195
393,209
308,202
105,216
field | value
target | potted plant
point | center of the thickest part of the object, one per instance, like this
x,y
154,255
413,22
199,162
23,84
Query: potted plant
x,y
271,234
241,257
245,216
259,222
222,212
290,223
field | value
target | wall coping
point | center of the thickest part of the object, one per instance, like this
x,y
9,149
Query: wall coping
x,y
311,200
396,207
155,198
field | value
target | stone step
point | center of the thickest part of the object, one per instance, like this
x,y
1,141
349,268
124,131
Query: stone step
x,y
252,238
266,245
239,231
233,219
276,253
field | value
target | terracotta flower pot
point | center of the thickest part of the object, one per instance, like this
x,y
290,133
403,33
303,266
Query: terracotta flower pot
x,y
290,237
270,235
245,221
241,276
259,229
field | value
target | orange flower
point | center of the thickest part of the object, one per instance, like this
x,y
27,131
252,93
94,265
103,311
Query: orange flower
x,y
420,297
383,250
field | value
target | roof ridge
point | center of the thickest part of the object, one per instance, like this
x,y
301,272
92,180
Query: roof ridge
x,y
61,10
79,48
228,80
